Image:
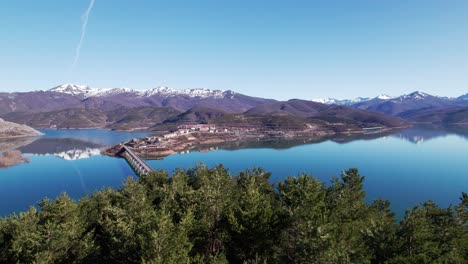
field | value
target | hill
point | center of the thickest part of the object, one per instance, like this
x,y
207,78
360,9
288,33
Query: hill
x,y
121,119
12,130
444,115
294,107
68,118
139,117
328,113
290,115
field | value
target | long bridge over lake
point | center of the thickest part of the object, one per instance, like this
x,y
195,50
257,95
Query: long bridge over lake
x,y
138,164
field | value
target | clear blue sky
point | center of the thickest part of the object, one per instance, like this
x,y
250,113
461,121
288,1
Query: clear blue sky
x,y
277,49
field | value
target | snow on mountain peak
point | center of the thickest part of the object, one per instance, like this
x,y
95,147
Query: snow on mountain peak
x,y
324,100
330,101
86,91
464,97
73,89
414,96
418,94
384,97
193,92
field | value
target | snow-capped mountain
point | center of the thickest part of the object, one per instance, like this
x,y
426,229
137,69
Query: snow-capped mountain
x,y
463,97
384,97
194,92
86,92
404,104
73,89
74,96
415,96
350,102
333,101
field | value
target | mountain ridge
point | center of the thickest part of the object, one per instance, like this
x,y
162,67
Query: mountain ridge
x,y
86,91
81,96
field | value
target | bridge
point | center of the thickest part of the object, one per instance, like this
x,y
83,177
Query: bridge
x,y
138,164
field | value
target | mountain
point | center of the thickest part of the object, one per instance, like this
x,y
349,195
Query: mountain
x,y
139,117
333,101
67,118
12,130
69,96
82,106
463,98
443,115
329,113
86,91
36,101
293,115
350,102
122,119
198,115
409,102
401,106
294,107
110,99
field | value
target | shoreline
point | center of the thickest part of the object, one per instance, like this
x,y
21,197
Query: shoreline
x,y
157,147
24,136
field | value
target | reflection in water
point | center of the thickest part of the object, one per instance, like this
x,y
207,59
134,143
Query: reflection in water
x,y
14,143
65,148
11,157
57,145
82,148
281,143
423,133
76,154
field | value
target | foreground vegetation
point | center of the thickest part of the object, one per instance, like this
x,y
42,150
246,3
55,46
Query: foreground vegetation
x,y
204,215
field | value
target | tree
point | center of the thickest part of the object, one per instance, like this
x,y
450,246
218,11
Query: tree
x,y
255,219
429,234
348,211
303,200
213,195
380,232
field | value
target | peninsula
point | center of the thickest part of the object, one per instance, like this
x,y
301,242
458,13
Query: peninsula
x,y
13,130
178,137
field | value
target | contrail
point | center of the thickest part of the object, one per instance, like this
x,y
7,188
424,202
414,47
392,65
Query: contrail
x,y
83,32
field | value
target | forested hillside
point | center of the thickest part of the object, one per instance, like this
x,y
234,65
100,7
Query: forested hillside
x,y
205,215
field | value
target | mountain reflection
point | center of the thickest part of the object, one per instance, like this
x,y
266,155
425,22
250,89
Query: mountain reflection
x,y
417,135
65,148
76,154
423,133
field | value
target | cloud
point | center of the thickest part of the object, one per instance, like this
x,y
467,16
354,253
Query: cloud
x,y
83,33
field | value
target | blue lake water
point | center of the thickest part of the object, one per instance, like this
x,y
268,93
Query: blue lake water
x,y
406,168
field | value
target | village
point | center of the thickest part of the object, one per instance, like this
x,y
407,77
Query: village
x,y
186,138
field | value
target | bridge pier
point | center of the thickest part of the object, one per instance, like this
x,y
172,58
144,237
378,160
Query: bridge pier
x,y
138,164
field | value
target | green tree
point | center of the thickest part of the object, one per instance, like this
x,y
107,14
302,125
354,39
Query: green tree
x,y
430,234
380,232
212,196
255,220
346,224
304,238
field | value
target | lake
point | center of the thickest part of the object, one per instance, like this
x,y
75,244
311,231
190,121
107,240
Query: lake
x,y
407,167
